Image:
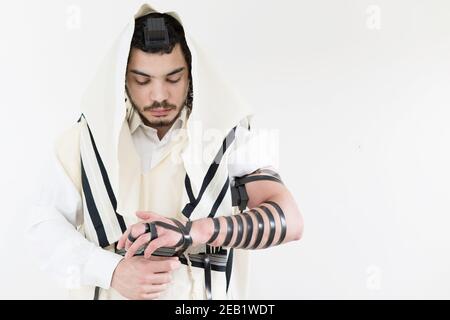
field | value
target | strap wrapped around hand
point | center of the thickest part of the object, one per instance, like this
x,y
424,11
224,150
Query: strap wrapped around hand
x,y
173,228
185,231
151,227
185,240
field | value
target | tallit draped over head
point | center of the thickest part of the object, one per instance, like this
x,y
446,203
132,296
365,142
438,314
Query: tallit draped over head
x,y
216,109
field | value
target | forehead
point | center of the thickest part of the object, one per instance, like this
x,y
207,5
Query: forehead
x,y
157,64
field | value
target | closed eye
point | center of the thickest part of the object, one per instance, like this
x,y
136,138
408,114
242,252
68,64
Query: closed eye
x,y
142,83
173,81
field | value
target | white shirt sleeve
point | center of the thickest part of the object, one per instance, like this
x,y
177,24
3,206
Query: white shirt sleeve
x,y
252,150
53,237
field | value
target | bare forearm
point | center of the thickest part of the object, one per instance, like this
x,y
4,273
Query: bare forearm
x,y
273,222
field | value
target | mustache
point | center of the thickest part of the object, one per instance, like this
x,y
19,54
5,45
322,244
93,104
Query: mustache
x,y
158,105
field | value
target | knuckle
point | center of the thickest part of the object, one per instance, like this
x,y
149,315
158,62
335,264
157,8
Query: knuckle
x,y
142,296
167,265
149,278
174,265
142,280
156,295
140,291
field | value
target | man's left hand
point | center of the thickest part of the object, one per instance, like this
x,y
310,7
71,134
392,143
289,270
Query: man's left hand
x,y
166,237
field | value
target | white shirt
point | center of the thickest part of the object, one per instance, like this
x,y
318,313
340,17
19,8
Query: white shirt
x,y
146,140
56,212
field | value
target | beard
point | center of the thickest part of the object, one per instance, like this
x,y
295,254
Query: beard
x,y
158,123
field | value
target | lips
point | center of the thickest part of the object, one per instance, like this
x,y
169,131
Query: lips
x,y
160,112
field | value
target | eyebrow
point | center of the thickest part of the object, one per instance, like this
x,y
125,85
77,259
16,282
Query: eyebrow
x,y
149,76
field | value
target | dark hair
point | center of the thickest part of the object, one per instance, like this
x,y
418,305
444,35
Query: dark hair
x,y
176,35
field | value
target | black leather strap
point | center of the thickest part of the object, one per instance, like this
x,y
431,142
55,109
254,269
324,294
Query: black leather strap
x,y
230,230
207,267
271,225
239,196
186,235
153,231
188,238
149,227
248,237
260,220
240,231
97,293
247,179
282,221
167,226
216,230
131,238
173,228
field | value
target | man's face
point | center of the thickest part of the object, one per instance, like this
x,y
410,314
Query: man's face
x,y
157,85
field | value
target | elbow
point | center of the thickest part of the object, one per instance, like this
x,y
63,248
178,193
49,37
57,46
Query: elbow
x,y
297,233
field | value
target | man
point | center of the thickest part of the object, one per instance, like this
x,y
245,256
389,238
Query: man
x,y
134,209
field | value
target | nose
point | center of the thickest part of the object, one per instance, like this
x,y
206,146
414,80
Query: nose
x,y
159,91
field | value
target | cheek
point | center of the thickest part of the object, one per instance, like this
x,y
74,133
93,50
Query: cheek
x,y
177,93
181,91
139,94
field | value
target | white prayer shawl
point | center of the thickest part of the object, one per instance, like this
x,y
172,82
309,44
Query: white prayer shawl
x,y
111,172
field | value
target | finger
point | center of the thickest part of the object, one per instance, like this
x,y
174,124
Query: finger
x,y
128,242
142,240
145,215
136,231
122,239
160,278
164,266
158,258
154,288
154,245
150,296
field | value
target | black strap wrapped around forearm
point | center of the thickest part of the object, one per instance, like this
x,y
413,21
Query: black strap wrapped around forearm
x,y
240,231
282,221
271,226
229,231
260,233
216,230
249,234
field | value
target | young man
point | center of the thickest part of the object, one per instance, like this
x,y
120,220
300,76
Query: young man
x,y
134,209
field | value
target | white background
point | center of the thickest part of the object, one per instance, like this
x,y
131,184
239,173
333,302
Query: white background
x,y
359,91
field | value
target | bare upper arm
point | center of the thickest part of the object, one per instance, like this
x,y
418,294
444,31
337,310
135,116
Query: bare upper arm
x,y
263,190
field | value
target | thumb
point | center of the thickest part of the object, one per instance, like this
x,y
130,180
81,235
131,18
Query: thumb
x,y
145,215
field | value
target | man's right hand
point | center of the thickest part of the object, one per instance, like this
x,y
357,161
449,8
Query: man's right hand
x,y
139,278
